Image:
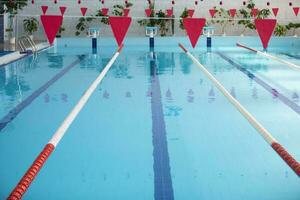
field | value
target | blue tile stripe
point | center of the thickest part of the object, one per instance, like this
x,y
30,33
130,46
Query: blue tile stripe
x,y
21,106
266,86
163,189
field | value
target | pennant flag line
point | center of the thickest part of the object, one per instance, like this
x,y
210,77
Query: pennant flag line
x,y
169,12
212,12
275,11
51,24
296,10
83,11
265,28
44,9
126,12
191,12
193,27
232,12
104,11
119,26
62,10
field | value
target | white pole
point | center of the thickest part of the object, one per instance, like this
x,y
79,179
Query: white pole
x,y
32,172
289,64
288,158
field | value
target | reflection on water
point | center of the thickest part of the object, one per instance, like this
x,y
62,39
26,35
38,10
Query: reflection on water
x,y
12,83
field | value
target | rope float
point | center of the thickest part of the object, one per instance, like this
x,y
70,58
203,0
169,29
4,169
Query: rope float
x,y
294,165
32,172
289,64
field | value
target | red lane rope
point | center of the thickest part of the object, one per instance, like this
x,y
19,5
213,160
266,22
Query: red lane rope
x,y
294,165
31,173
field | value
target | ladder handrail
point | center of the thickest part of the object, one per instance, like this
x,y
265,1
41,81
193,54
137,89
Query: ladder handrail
x,y
30,42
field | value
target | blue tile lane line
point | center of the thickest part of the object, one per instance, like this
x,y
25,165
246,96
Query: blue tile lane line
x,y
163,189
21,106
262,83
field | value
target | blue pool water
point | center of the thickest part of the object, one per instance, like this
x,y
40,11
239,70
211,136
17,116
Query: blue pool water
x,y
154,128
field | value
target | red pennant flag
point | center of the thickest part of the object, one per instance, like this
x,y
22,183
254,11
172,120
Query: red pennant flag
x,y
232,12
148,12
212,12
62,10
44,9
275,11
126,12
296,10
191,12
193,27
83,11
119,26
254,12
169,12
51,24
265,28
104,11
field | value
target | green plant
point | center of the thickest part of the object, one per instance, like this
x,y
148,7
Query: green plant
x,y
224,19
12,7
280,30
293,27
184,14
163,24
83,25
60,31
30,25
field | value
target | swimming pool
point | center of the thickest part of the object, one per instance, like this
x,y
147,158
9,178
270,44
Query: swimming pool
x,y
154,128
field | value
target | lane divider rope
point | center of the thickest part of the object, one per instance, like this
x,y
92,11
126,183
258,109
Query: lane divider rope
x,y
289,64
32,172
294,165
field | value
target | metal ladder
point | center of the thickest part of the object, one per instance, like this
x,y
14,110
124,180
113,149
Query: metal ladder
x,y
26,43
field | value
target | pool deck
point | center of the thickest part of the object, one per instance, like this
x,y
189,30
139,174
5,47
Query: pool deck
x,y
11,57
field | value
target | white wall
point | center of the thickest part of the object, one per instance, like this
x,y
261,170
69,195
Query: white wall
x,y
73,9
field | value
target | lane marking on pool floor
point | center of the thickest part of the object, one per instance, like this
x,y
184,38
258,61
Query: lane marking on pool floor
x,y
292,56
22,105
289,64
267,136
263,84
163,188
39,162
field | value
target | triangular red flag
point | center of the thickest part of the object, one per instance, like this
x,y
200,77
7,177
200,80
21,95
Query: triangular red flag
x,y
193,27
83,11
265,28
51,24
119,26
169,12
126,12
104,11
296,10
254,12
148,12
62,9
44,9
212,12
232,12
191,12
275,11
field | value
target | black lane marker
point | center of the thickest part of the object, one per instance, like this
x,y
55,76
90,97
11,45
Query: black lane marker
x,y
266,86
16,110
163,189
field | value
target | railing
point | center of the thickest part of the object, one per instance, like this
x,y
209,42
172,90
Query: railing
x,y
25,43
